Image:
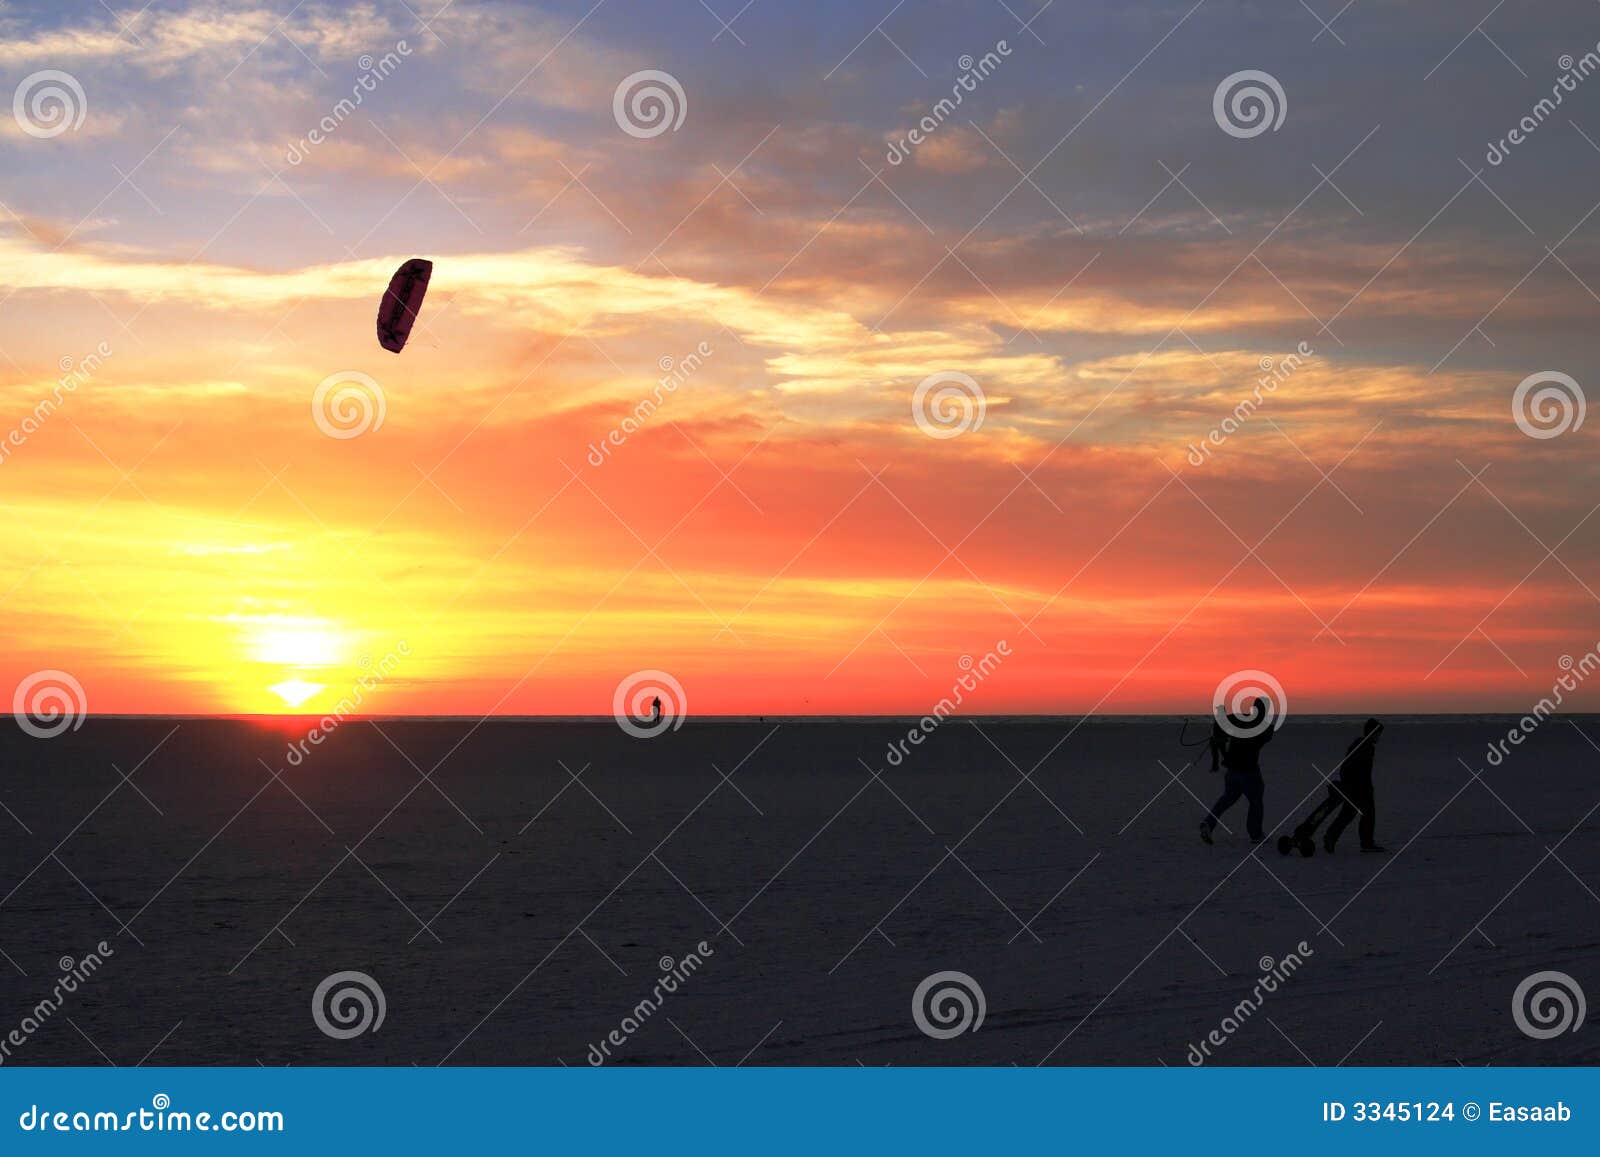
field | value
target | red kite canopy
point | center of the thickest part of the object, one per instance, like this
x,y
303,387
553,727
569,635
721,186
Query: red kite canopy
x,y
401,303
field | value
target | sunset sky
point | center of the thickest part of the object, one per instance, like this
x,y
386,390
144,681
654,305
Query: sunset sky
x,y
1081,238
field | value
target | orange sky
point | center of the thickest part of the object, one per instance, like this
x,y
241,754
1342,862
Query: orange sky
x,y
779,533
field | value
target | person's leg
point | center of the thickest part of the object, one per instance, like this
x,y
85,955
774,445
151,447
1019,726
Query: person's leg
x,y
1231,791
1347,812
1369,817
1255,792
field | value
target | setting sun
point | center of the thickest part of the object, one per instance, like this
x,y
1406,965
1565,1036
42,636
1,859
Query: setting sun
x,y
294,692
302,643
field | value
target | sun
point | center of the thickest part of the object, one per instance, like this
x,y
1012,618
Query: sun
x,y
293,654
294,692
305,644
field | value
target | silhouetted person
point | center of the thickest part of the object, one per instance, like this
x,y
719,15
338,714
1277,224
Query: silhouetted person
x,y
1343,793
1242,758
655,710
1355,789
1218,744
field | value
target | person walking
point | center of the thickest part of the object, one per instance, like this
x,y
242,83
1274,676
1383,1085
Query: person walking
x,y
1355,790
1242,761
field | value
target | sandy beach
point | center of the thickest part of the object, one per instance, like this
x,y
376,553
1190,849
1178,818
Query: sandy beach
x,y
516,889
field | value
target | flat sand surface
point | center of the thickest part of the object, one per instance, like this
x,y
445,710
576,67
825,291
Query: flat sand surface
x,y
513,886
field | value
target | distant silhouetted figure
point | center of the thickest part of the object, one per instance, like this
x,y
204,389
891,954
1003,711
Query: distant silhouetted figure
x,y
1355,789
1242,758
655,710
1218,744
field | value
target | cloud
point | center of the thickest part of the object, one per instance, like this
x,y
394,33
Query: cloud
x,y
954,150
821,349
157,40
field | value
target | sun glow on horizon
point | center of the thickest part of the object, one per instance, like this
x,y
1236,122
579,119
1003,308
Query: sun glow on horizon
x,y
295,692
296,642
296,647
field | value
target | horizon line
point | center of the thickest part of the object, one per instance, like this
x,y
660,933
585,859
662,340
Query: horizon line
x,y
997,717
